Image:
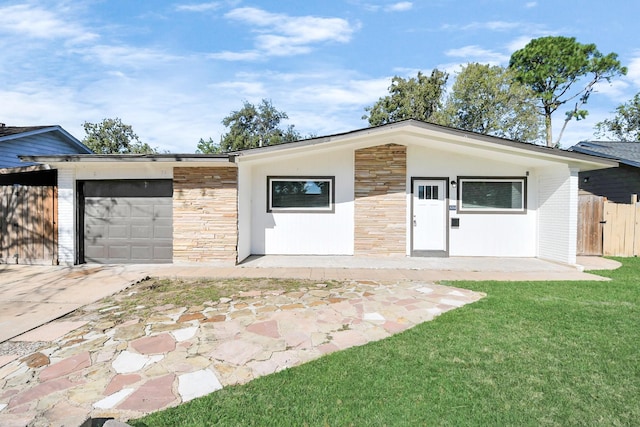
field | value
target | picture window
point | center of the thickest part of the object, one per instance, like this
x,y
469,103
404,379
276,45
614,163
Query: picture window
x,y
506,195
300,194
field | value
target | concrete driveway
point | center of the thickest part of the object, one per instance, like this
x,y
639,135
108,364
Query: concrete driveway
x,y
31,296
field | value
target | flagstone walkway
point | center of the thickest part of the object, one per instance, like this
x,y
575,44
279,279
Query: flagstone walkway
x,y
101,369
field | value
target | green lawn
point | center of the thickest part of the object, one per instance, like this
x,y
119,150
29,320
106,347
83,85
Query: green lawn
x,y
532,353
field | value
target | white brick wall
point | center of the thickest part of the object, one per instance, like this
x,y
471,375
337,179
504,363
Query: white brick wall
x,y
557,214
66,216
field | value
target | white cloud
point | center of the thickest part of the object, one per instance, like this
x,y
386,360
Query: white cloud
x,y
617,90
284,35
493,26
350,92
531,4
244,89
633,73
518,43
199,7
249,55
116,56
36,23
402,6
474,53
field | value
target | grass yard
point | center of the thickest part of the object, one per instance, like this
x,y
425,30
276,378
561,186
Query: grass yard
x,y
532,353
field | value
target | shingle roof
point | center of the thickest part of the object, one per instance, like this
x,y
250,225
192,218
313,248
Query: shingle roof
x,y
15,130
624,151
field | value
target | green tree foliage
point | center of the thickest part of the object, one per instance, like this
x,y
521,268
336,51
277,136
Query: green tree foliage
x,y
561,70
414,98
256,126
485,99
111,136
625,125
208,147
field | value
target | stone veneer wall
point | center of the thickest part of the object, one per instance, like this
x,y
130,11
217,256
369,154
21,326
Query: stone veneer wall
x,y
205,214
380,200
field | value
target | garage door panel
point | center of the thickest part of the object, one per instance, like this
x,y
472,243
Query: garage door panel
x,y
95,251
115,231
141,232
163,252
141,211
163,211
162,232
119,252
128,229
141,252
96,231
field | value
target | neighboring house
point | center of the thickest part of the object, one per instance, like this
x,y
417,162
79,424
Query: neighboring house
x,y
616,184
36,141
28,196
403,189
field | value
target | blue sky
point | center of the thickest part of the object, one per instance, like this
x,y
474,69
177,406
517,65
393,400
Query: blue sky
x,y
175,69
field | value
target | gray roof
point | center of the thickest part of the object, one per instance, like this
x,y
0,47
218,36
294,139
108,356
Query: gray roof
x,y
16,130
625,152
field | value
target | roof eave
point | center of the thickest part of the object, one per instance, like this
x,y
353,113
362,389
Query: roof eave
x,y
128,158
24,169
460,135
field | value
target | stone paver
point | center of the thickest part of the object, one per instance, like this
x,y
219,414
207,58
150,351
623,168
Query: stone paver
x,y
162,343
197,384
176,354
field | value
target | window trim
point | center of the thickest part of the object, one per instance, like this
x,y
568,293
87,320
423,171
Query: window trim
x,y
520,211
332,193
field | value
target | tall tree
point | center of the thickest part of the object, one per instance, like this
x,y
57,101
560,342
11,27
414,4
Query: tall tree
x,y
414,98
256,126
208,147
554,67
625,125
486,99
111,136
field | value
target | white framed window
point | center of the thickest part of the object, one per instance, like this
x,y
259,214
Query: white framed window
x,y
301,194
492,194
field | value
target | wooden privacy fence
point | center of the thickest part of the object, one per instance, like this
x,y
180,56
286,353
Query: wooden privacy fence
x,y
621,234
28,224
590,224
607,228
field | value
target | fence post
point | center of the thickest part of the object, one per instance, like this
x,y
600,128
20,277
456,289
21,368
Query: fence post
x,y
636,232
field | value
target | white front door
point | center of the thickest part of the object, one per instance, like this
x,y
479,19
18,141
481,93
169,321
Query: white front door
x,y
429,215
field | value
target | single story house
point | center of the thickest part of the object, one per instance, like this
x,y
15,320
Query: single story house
x,y
403,189
616,184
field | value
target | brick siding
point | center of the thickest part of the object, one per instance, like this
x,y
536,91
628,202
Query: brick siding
x,y
205,214
380,200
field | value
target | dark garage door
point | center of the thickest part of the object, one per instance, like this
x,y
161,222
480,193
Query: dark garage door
x,y
127,221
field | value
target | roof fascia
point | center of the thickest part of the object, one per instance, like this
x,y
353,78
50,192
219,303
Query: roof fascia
x,y
128,158
23,169
414,127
